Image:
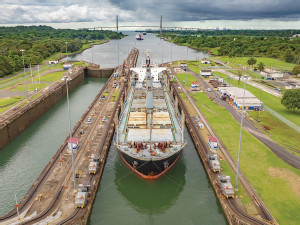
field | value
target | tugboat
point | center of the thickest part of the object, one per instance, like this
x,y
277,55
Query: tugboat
x,y
138,37
149,136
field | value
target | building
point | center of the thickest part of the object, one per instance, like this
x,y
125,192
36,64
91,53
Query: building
x,y
213,142
74,143
195,84
205,61
236,95
53,62
271,74
67,66
205,73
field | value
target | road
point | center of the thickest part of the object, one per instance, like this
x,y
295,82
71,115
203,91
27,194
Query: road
x,y
281,152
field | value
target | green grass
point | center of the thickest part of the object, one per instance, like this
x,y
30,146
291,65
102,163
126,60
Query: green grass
x,y
269,100
190,79
252,74
51,77
6,103
256,161
279,131
30,87
269,62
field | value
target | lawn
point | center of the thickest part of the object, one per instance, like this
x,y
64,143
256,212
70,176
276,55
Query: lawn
x,y
190,79
51,77
275,181
269,62
6,103
252,74
279,131
269,100
30,87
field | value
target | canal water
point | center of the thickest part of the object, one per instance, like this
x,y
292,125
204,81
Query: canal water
x,y
22,161
114,52
183,196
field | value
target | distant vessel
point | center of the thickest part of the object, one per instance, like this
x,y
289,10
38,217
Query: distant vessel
x,y
138,37
144,33
149,135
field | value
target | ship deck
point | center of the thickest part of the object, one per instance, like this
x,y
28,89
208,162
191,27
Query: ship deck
x,y
134,124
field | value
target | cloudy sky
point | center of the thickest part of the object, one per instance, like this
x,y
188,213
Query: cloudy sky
x,y
58,11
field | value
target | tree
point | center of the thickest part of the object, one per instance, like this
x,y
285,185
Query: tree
x,y
251,61
261,66
288,56
291,99
240,74
296,70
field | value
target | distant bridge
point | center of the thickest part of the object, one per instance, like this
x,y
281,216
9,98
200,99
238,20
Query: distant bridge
x,y
160,27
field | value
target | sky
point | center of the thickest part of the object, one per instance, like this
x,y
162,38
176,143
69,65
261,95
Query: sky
x,y
270,12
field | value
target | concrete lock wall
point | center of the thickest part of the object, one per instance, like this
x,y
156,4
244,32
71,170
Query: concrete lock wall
x,y
41,105
99,73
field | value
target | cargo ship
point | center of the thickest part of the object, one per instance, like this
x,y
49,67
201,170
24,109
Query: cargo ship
x,y
138,37
149,134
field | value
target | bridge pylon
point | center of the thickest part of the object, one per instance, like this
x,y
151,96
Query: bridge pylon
x,y
160,24
117,23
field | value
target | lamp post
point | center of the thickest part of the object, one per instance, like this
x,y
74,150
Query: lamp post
x,y
67,79
187,50
240,144
22,50
66,50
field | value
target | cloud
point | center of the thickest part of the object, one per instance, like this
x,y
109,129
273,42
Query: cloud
x,y
46,11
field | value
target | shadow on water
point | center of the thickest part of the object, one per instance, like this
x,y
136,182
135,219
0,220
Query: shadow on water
x,y
184,195
150,197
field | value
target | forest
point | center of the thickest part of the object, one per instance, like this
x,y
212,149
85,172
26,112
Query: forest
x,y
283,48
40,42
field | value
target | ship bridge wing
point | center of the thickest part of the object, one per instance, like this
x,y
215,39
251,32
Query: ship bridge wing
x,y
141,72
155,71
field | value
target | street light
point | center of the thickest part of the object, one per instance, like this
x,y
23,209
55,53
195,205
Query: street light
x,y
67,79
240,144
22,50
66,50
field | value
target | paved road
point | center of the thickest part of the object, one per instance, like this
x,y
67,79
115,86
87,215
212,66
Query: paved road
x,y
254,84
281,152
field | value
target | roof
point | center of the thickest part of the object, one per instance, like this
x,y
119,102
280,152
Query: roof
x,y
195,83
212,139
74,140
236,92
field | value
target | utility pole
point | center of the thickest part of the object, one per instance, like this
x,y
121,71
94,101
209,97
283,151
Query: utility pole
x,y
187,56
66,49
22,50
240,144
67,79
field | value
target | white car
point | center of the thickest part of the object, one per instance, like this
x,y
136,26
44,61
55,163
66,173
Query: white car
x,y
208,89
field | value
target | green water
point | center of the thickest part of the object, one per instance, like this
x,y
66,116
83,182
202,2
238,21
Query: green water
x,y
182,196
24,158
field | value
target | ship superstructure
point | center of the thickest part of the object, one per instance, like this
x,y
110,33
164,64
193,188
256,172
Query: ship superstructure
x,y
149,135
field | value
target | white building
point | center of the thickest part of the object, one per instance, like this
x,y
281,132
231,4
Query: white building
x,y
237,94
53,62
205,73
271,74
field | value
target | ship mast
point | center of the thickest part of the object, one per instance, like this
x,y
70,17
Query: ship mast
x,y
149,98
